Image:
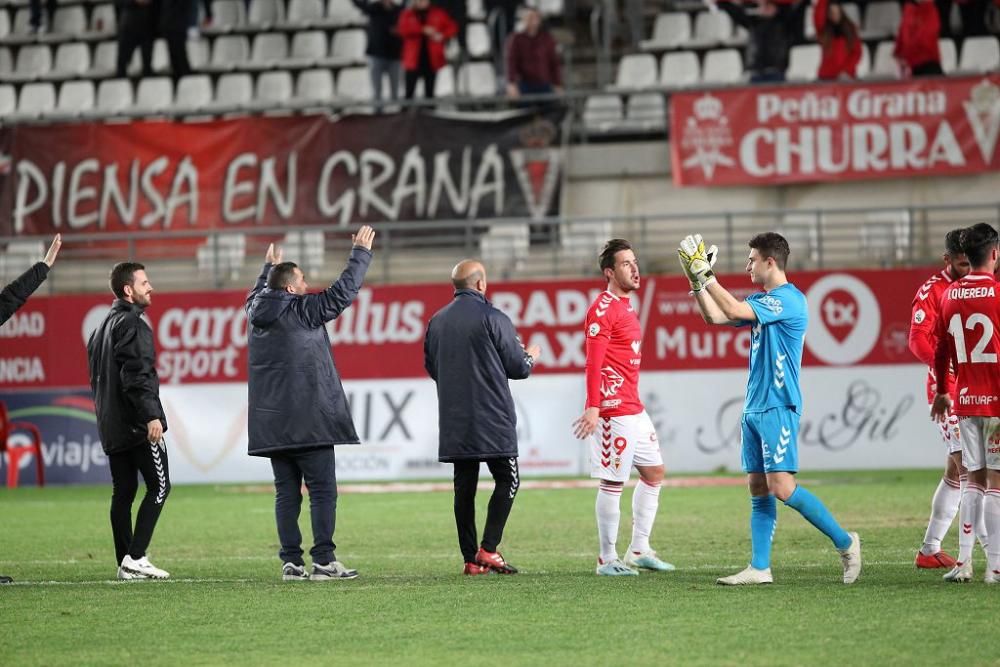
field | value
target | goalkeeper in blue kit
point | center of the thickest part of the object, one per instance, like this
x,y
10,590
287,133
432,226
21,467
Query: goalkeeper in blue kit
x,y
770,422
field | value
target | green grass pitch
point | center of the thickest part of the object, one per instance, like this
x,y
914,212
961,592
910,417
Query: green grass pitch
x,y
226,603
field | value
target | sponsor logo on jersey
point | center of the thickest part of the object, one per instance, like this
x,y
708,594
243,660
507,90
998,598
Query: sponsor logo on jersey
x,y
611,381
919,316
965,398
774,305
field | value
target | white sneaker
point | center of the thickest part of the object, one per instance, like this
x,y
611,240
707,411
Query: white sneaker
x,y
332,570
123,575
992,577
748,577
293,572
851,559
647,560
142,566
615,568
961,573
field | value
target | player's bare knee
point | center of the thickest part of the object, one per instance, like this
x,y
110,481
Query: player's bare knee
x,y
652,475
953,467
757,483
782,485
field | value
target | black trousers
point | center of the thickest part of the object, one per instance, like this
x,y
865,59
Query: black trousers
x,y
411,76
136,30
318,468
177,48
150,461
928,69
507,479
35,20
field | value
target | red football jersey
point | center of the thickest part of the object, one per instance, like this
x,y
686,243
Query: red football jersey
x,y
969,335
923,327
614,354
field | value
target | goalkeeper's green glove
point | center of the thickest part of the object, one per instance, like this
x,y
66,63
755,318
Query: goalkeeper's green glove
x,y
697,261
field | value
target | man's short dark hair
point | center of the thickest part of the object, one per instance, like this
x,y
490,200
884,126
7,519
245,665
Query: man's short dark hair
x,y
773,245
281,275
612,248
977,241
953,242
123,274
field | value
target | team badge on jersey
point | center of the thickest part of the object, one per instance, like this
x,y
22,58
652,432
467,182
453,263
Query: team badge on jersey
x,y
919,316
594,329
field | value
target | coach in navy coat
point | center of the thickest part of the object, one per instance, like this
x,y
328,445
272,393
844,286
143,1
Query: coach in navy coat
x,y
471,350
297,407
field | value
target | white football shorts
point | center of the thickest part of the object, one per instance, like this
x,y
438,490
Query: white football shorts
x,y
977,452
622,442
950,433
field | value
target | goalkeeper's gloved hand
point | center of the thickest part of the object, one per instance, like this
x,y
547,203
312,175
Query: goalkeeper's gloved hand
x,y
697,261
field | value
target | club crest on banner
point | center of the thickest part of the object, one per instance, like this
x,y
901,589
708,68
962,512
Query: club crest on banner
x,y
538,166
706,134
983,111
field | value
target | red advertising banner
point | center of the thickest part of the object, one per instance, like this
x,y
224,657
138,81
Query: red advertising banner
x,y
250,172
836,131
856,318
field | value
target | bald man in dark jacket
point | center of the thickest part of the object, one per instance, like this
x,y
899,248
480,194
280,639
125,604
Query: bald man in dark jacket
x,y
471,350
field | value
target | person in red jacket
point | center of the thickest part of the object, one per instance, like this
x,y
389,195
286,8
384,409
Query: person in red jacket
x,y
838,36
425,30
917,40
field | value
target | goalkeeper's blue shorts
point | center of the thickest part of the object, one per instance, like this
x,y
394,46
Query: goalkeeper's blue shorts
x,y
770,441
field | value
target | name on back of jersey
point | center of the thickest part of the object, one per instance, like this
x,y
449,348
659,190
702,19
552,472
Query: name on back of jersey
x,y
971,292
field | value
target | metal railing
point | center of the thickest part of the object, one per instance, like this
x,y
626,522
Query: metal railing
x,y
425,251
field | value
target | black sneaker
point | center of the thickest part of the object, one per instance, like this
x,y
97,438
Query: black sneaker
x,y
6,580
293,572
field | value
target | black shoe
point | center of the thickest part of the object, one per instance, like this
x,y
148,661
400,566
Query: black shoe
x,y
6,580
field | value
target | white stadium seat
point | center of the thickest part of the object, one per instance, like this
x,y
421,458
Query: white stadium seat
x,y
980,54
881,19
636,71
670,31
154,94
602,113
712,28
722,66
803,62
194,93
679,69
114,95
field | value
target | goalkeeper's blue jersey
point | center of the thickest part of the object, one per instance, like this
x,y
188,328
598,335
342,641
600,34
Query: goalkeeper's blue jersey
x,y
776,349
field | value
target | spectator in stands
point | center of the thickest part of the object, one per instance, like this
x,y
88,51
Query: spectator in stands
x,y
917,48
532,61
772,31
136,29
384,45
459,13
174,22
838,37
502,18
424,30
35,18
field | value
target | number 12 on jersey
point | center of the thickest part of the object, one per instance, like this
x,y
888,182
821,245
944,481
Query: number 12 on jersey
x,y
975,321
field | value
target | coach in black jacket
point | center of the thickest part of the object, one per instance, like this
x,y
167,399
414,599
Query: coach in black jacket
x,y
130,418
471,350
298,410
15,294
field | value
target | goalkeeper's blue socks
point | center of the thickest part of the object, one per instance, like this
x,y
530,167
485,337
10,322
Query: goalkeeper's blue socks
x,y
816,513
763,519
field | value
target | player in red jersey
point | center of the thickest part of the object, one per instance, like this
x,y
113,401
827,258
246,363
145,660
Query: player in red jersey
x,y
923,342
623,434
968,333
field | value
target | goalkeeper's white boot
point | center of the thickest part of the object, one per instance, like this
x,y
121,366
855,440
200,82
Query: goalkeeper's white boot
x,y
142,566
992,577
748,577
615,568
851,559
647,560
961,573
